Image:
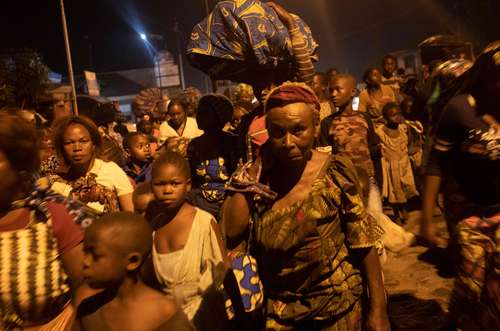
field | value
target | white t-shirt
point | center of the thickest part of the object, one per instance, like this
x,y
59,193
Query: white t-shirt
x,y
191,130
109,175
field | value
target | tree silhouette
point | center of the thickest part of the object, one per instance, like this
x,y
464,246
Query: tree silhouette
x,y
23,78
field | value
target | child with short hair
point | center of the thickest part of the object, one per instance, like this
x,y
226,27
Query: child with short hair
x,y
398,183
188,252
320,88
390,73
137,146
115,249
375,96
350,133
147,128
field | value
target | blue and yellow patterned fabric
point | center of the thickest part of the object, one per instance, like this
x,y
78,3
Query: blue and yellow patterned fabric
x,y
215,175
240,36
244,267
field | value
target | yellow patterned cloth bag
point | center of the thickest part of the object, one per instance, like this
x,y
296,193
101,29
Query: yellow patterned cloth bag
x,y
34,287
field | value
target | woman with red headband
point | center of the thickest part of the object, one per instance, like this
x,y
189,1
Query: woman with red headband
x,y
309,229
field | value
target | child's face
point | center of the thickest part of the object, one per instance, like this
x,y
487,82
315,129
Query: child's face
x,y
374,78
394,117
318,85
389,65
341,91
103,264
170,185
140,149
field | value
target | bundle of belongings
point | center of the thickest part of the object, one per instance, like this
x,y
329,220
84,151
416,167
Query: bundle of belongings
x,y
244,41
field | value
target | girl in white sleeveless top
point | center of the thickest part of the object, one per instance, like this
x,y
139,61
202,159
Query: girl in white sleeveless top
x,y
188,253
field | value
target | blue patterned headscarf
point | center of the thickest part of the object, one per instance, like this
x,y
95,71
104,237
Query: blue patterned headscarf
x,y
242,37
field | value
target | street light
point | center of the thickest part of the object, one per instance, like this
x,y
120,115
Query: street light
x,y
144,37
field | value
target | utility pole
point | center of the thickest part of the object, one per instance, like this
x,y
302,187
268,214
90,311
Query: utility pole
x,y
158,64
179,50
68,59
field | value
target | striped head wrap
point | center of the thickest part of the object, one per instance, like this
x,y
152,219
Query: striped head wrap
x,y
289,93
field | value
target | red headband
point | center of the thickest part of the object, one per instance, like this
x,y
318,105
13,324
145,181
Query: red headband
x,y
287,94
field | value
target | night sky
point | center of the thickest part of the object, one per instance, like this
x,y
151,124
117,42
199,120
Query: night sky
x,y
353,35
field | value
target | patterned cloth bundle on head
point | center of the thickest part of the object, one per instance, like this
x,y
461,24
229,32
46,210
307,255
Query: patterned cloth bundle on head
x,y
242,37
151,102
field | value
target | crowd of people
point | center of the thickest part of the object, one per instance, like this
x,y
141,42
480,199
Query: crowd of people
x,y
259,208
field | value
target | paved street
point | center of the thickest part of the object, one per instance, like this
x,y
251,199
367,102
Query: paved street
x,y
418,290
